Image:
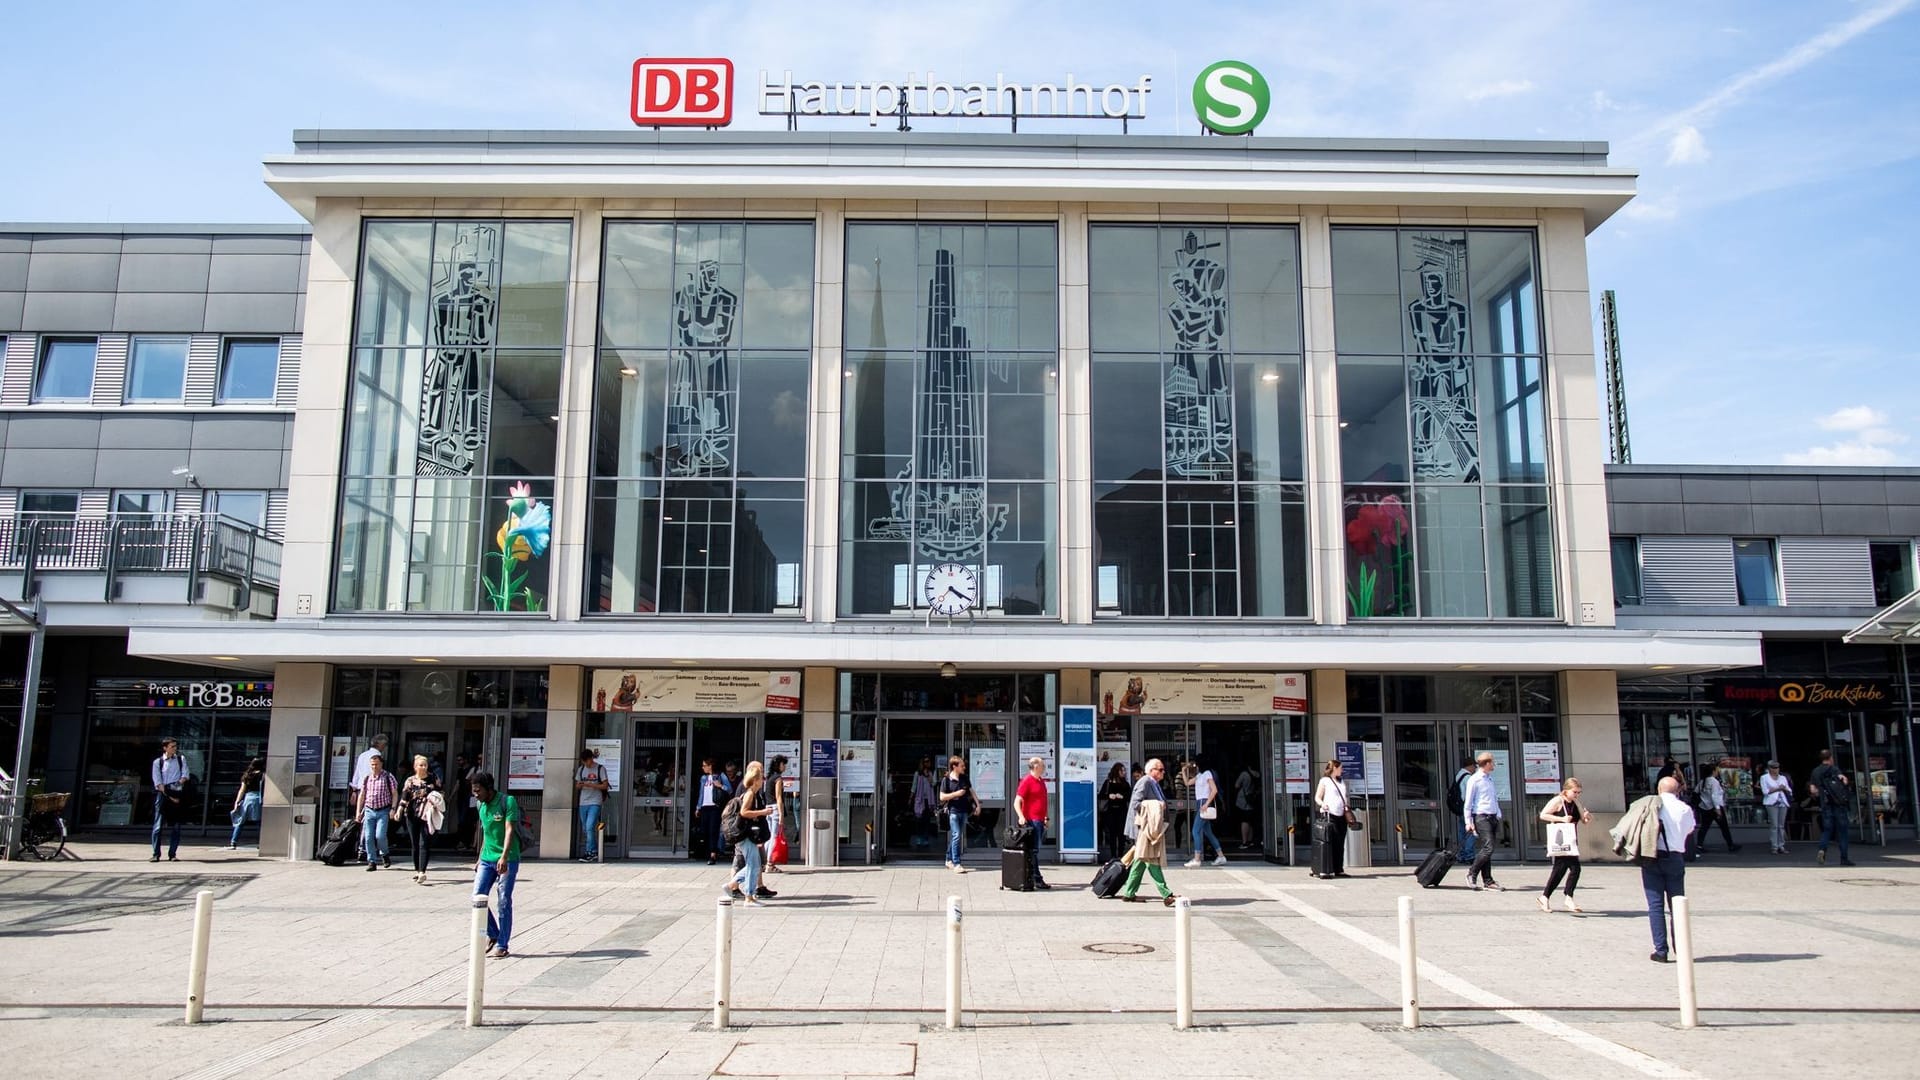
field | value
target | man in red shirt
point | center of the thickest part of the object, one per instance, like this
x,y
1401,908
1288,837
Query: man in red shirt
x,y
1030,809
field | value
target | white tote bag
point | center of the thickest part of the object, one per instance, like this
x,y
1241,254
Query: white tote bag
x,y
1560,840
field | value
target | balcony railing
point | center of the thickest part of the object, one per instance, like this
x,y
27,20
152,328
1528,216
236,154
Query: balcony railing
x,y
120,546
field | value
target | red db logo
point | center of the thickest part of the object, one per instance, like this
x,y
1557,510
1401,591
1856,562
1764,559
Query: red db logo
x,y
683,91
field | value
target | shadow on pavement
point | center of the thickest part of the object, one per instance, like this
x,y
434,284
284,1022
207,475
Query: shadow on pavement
x,y
1755,958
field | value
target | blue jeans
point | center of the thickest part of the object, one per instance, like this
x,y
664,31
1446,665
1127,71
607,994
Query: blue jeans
x,y
248,810
1662,879
1202,836
589,819
956,831
498,931
1833,827
160,822
748,876
373,834
1466,840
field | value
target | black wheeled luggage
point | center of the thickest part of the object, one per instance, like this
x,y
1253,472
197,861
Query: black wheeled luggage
x,y
340,844
1324,859
1013,868
1108,879
1434,868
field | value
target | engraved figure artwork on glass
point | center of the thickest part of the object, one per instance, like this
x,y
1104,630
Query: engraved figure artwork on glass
x,y
1440,397
699,403
1199,413
941,499
466,305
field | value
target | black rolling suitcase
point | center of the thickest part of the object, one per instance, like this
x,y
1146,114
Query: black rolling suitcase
x,y
1108,879
1434,868
339,845
1324,858
1013,868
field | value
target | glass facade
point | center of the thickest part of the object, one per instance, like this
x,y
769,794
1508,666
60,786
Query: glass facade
x,y
453,415
949,417
1198,449
700,419
1442,424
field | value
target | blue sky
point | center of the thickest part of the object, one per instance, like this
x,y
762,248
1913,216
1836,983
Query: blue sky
x,y
1766,272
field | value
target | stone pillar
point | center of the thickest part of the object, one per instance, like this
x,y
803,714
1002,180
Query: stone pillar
x,y
566,690
1326,564
1076,687
819,691
1590,743
302,705
1327,700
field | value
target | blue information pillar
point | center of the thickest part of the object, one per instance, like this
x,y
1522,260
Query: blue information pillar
x,y
1077,782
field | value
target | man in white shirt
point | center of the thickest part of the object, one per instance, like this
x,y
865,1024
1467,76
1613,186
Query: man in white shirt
x,y
1776,794
1713,807
1665,876
1483,823
360,766
170,776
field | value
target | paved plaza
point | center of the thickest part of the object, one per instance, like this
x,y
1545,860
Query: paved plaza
x,y
321,972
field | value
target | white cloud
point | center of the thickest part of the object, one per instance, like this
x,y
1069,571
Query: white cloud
x,y
1687,147
1653,208
1872,442
1853,418
1503,88
1602,102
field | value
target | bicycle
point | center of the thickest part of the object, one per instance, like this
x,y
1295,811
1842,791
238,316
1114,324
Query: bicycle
x,y
43,833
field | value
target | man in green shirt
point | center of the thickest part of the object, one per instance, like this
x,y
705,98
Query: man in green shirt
x,y
499,858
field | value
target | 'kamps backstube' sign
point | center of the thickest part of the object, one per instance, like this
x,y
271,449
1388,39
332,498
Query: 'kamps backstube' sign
x,y
1828,694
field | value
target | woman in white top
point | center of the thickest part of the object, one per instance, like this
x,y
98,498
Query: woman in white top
x,y
1330,798
1206,808
1776,794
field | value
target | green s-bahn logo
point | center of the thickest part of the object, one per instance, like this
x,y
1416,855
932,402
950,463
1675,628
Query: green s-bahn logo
x,y
1230,97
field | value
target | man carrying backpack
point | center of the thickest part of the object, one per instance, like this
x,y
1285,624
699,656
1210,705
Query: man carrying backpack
x,y
1835,792
1457,806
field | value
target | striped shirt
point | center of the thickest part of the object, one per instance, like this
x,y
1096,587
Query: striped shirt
x,y
379,792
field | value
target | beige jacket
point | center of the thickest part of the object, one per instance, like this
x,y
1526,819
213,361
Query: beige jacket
x,y
1150,823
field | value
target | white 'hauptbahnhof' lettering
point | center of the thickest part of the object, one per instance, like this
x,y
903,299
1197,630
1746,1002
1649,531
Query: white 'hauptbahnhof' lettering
x,y
930,96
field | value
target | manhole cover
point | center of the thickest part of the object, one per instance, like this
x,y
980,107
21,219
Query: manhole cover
x,y
1118,948
1872,882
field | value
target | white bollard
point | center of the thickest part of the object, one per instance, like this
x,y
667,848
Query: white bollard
x,y
1683,952
722,964
477,961
1409,968
953,962
1183,963
197,967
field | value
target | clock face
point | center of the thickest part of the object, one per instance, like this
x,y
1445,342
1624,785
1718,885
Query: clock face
x,y
951,589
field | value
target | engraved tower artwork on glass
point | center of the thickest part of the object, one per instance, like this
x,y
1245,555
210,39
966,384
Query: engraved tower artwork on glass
x,y
1440,395
941,499
700,408
453,401
1199,411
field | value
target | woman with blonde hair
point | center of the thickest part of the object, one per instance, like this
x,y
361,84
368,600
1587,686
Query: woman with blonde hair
x,y
1564,809
744,825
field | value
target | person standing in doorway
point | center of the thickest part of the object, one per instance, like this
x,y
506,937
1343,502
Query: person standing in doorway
x,y
1115,795
1206,809
416,811
590,784
923,803
1776,796
1564,809
714,793
1149,840
1835,792
246,800
1483,822
1457,802
1330,800
170,777
499,863
1030,809
1665,876
957,799
379,804
1713,807
1246,804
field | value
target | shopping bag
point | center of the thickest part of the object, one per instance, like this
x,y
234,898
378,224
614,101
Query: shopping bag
x,y
778,856
1561,840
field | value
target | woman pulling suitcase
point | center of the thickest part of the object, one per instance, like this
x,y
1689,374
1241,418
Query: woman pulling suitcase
x,y
1330,823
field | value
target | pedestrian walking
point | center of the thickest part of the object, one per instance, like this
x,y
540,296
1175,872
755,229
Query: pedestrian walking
x,y
1665,875
924,803
959,802
1146,788
590,786
1713,807
1030,809
1206,810
1483,823
1776,797
246,800
1835,792
1246,803
776,800
1457,804
499,864
362,765
171,778
1564,816
1149,844
1115,795
714,794
416,812
1335,810
745,823
379,804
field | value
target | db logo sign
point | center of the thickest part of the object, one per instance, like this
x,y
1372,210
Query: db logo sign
x,y
683,92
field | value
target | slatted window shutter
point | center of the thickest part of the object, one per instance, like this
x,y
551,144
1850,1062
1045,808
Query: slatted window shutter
x,y
16,383
1827,570
110,370
203,370
286,389
1687,570
277,513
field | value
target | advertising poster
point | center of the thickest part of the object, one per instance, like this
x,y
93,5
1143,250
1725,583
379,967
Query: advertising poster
x,y
1108,754
1079,776
1541,763
823,759
856,766
608,755
1041,750
1201,693
1298,769
526,764
1736,779
1353,765
307,751
340,768
1077,766
695,690
1290,694
987,768
1376,780
790,749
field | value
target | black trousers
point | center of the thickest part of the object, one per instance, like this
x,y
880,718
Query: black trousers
x,y
710,830
422,841
1486,838
1567,866
1031,845
1705,822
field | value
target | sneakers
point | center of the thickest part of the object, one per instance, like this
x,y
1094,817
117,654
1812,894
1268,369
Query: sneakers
x,y
765,893
1192,864
1545,905
1660,958
1220,860
1169,900
1848,862
1496,886
1573,907
156,857
958,869
1821,858
498,952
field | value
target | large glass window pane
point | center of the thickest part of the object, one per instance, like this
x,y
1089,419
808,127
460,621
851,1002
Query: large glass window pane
x,y
882,289
533,283
1021,436
1519,553
877,415
1123,295
1373,419
1513,414
1366,291
1755,574
1892,563
1448,543
624,547
1263,284
393,283
630,401
636,285
1267,411
1502,304
773,414
156,369
1129,550
770,533
1626,571
779,286
1379,551
1126,417
66,370
524,420
1203,559
1273,528
383,426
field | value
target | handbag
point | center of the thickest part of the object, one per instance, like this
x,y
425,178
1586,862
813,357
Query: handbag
x,y
1209,812
1017,835
1561,839
778,856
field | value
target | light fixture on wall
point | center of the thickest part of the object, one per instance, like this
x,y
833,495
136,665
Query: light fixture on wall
x,y
948,671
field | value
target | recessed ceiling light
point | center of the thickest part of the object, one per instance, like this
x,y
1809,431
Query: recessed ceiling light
x,y
426,659
628,372
223,658
1656,667
555,416
684,663
1271,376
847,373
1343,425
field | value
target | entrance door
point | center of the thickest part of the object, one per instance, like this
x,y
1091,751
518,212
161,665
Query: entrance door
x,y
982,744
909,743
1422,760
657,814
